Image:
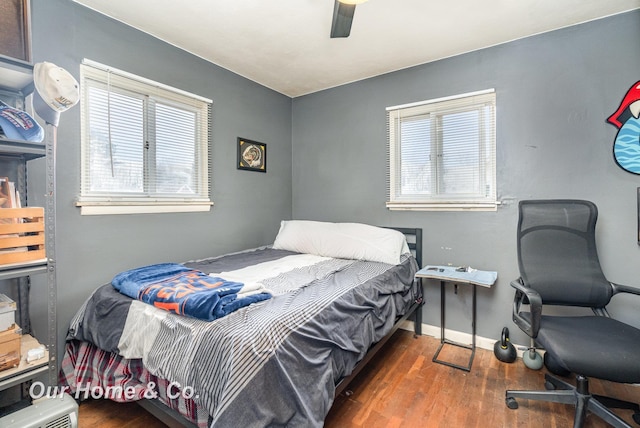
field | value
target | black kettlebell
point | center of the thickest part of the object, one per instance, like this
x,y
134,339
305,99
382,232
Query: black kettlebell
x,y
504,349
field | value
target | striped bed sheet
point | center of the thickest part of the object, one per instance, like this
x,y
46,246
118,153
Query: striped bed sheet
x,y
274,362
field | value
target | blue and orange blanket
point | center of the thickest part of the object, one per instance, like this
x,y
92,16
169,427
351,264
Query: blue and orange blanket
x,y
184,291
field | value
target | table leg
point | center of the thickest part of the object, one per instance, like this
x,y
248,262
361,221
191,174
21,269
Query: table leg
x,y
442,315
473,321
444,341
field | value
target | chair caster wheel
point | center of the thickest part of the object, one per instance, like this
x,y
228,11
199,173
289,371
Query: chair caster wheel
x,y
511,403
549,386
636,418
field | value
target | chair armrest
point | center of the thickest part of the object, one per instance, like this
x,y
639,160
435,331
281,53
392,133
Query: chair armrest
x,y
619,288
526,295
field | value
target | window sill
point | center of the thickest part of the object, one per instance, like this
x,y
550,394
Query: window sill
x,y
93,208
453,206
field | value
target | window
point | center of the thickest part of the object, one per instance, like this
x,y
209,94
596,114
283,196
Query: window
x,y
144,145
442,154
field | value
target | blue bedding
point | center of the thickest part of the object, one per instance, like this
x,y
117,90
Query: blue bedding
x,y
185,291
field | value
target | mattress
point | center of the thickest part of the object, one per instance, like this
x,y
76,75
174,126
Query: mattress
x,y
275,362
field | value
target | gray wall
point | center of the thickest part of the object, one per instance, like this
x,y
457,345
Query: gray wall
x,y
554,93
327,156
248,205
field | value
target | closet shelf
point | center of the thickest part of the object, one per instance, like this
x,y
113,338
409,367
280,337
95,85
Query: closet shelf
x,y
16,75
25,370
17,270
21,148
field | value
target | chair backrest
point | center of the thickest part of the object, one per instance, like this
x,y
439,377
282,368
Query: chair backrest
x,y
557,252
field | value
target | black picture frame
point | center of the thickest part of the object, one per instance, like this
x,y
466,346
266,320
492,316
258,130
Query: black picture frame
x,y
252,155
15,37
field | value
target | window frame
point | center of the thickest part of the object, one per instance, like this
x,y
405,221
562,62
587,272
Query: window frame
x,y
433,111
93,74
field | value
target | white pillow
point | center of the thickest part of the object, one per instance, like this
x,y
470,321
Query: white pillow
x,y
342,240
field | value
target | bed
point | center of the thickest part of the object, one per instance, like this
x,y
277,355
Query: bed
x,y
337,293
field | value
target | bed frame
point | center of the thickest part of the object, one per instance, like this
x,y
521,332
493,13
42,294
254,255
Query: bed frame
x,y
174,419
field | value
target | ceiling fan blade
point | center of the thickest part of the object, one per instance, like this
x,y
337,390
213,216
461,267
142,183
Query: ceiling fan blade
x,y
342,19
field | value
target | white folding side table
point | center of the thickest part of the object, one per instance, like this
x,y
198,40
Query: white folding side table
x,y
457,276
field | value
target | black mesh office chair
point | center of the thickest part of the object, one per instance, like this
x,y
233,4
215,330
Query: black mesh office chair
x,y
559,265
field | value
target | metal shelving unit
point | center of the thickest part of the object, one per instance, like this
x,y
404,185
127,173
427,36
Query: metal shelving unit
x,y
16,83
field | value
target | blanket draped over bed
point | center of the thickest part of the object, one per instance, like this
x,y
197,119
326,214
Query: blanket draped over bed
x,y
275,362
185,291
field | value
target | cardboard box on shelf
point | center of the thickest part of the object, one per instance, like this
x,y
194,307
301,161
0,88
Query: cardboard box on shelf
x,y
10,347
7,312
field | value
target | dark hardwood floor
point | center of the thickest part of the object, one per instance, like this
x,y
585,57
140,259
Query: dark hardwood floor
x,y
402,387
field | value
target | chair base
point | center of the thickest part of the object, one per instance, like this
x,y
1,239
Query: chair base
x,y
559,391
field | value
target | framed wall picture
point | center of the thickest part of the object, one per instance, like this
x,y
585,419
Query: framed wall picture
x,y
252,155
638,215
15,29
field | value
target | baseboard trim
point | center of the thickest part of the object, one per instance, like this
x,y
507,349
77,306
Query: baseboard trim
x,y
459,337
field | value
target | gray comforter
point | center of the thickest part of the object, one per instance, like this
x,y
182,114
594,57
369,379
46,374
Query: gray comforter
x,y
273,363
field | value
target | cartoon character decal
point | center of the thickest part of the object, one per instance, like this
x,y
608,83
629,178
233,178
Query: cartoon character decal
x,y
626,148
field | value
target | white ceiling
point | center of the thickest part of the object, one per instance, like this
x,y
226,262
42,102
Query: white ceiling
x,y
285,44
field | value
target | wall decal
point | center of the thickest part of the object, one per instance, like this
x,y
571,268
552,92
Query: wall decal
x,y
626,148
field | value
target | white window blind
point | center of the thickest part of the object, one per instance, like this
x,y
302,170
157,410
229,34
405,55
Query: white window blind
x,y
442,153
144,145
